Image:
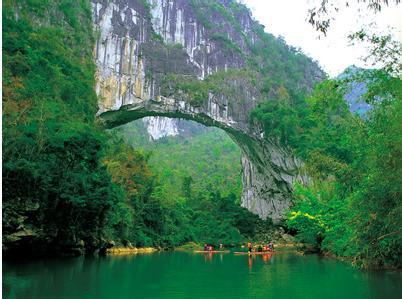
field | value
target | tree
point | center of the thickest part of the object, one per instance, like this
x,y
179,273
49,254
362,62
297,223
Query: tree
x,y
384,50
320,16
186,187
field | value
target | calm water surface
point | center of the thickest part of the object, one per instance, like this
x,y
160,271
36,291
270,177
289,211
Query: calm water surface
x,y
187,275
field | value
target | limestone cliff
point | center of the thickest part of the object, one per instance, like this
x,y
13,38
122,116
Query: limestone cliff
x,y
207,61
158,127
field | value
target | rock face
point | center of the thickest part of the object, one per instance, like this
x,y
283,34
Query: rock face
x,y
158,127
191,59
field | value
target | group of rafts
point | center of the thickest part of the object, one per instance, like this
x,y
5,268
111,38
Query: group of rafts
x,y
252,249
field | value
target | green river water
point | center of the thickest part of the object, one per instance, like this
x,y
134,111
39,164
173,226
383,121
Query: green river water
x,y
187,275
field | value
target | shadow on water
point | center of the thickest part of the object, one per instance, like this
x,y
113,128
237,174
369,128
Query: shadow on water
x,y
187,275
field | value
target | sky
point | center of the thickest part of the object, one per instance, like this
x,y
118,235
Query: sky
x,y
288,18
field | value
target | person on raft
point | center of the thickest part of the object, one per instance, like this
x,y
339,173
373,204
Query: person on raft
x,y
271,246
250,247
207,247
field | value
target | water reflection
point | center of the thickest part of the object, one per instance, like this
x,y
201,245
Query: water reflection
x,y
264,257
182,275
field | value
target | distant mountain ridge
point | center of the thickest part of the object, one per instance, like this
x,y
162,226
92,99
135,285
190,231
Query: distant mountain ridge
x,y
354,97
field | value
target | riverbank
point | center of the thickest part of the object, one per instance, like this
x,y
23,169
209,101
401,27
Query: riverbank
x,y
191,246
129,250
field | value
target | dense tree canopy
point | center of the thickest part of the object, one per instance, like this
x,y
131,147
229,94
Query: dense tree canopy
x,y
352,206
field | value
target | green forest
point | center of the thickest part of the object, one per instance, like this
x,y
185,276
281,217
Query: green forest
x,y
74,186
352,206
204,157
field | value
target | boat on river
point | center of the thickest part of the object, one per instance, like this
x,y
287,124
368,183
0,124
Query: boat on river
x,y
211,251
254,253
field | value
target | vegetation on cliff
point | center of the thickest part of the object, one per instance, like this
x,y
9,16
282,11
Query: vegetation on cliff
x,y
243,53
205,156
352,206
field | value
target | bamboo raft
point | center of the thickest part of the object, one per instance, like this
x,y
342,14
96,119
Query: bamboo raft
x,y
254,253
211,251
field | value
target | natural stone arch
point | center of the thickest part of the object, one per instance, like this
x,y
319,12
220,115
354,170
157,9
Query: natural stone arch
x,y
162,61
269,171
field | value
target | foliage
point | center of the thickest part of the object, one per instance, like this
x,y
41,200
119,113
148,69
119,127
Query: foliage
x,y
55,182
279,121
225,42
206,166
351,206
383,49
62,175
320,16
199,175
192,162
362,212
196,91
321,217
